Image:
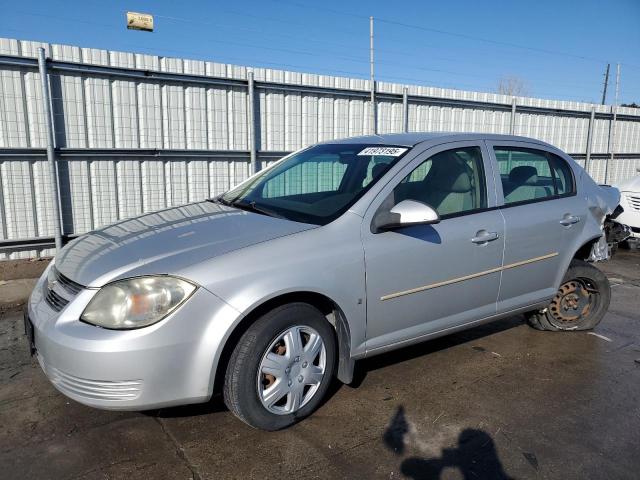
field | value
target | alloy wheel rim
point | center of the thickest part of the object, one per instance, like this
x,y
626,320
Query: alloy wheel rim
x,y
291,370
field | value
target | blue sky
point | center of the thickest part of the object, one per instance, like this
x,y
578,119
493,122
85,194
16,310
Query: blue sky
x,y
558,47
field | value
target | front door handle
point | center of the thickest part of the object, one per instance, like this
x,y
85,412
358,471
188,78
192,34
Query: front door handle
x,y
569,220
483,237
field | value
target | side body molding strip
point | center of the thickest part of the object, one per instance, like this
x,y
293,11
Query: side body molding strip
x,y
467,277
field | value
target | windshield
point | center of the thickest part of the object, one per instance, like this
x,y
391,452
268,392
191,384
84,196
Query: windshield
x,y
316,185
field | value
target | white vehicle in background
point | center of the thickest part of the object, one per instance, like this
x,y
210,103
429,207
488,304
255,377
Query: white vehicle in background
x,y
630,202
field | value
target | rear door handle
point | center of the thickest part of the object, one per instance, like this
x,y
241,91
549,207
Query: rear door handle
x,y
569,220
483,237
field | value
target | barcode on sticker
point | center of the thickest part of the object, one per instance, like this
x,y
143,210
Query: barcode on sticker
x,y
387,151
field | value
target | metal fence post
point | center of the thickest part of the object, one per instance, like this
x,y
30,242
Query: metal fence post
x,y
590,139
512,126
405,109
51,156
512,129
252,125
612,142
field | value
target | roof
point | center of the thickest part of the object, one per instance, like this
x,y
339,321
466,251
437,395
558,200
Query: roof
x,y
412,139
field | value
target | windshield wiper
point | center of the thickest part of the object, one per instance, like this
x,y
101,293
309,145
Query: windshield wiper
x,y
252,207
219,200
247,206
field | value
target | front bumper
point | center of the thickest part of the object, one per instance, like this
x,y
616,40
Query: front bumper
x,y
172,362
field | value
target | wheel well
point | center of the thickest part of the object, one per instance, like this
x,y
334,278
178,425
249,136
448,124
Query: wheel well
x,y
329,309
585,250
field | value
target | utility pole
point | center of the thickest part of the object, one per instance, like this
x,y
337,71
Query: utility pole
x,y
374,116
612,131
606,84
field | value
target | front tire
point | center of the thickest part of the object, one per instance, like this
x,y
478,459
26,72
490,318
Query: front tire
x,y
580,304
281,367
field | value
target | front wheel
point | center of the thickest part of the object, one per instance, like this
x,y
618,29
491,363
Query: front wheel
x,y
581,301
281,367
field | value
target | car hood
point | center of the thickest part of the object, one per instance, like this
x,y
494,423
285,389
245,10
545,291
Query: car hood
x,y
630,185
165,242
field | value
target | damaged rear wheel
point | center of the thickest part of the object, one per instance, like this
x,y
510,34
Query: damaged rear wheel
x,y
580,303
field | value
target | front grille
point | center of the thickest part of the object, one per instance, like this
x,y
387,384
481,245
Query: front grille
x,y
634,202
55,301
59,290
69,285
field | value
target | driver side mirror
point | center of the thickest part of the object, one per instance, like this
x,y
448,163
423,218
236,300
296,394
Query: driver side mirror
x,y
405,214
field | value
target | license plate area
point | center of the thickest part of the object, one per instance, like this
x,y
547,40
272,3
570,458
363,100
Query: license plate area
x,y
28,330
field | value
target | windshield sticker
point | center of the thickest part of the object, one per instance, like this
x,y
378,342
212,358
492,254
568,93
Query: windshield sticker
x,y
387,151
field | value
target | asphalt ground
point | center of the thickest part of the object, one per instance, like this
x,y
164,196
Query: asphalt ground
x,y
498,401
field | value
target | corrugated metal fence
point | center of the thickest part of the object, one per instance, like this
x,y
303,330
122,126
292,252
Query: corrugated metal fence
x,y
136,133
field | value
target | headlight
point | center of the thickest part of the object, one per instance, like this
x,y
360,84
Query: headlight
x,y
136,302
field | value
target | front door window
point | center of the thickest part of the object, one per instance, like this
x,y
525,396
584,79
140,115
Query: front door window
x,y
452,182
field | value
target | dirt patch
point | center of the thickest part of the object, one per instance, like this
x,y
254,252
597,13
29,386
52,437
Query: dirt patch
x,y
14,293
15,269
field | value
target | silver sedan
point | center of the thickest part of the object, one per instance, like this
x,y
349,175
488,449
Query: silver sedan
x,y
337,252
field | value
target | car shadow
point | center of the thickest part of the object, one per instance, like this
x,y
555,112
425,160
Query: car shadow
x,y
474,455
431,346
216,404
426,233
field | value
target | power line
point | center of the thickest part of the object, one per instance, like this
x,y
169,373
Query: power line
x,y
446,32
360,60
260,63
348,32
495,42
350,59
64,19
253,30
226,42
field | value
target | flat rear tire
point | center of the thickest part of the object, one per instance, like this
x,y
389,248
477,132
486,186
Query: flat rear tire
x,y
580,304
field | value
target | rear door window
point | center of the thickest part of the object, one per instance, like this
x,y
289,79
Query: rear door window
x,y
530,175
563,175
